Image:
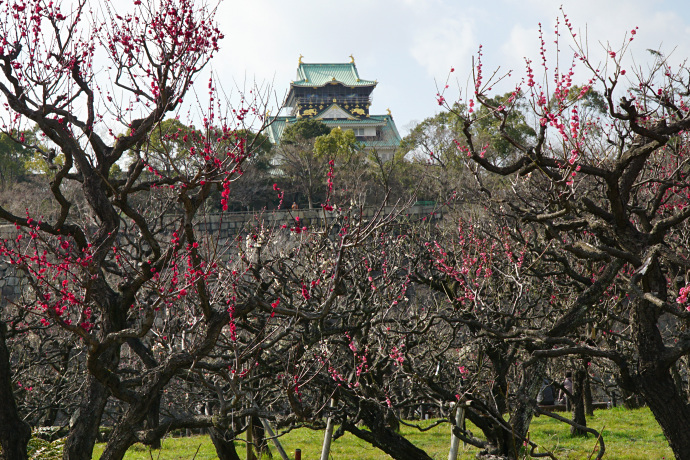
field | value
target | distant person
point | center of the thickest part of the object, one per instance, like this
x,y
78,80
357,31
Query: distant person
x,y
564,397
294,205
546,394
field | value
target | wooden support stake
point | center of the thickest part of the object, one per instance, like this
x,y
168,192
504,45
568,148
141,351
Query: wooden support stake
x,y
328,436
276,441
454,440
250,440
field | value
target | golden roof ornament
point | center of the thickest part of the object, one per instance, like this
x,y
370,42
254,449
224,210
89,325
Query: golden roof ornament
x,y
299,61
389,112
352,59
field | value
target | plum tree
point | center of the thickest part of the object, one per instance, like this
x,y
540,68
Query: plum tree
x,y
606,196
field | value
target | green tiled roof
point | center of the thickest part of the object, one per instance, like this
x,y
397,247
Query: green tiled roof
x,y
274,131
390,138
390,134
322,74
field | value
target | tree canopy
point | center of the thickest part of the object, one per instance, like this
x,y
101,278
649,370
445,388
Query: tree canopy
x,y
304,129
556,240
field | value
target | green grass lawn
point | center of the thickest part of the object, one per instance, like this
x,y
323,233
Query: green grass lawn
x,y
628,434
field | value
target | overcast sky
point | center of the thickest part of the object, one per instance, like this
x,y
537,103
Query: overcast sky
x,y
409,45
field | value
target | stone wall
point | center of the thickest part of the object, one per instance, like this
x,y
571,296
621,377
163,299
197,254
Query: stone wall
x,y
222,227
233,223
10,283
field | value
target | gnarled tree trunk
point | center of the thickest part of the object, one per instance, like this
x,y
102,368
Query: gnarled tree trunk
x,y
222,441
14,432
532,378
578,402
382,436
84,429
654,379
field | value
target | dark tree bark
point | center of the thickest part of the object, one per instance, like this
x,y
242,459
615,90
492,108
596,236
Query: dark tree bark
x,y
589,405
578,402
123,436
686,363
505,440
84,427
529,389
222,441
84,431
259,437
381,436
14,432
678,380
152,420
53,411
654,378
668,408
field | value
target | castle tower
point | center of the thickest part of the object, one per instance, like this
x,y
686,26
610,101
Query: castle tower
x,y
337,96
